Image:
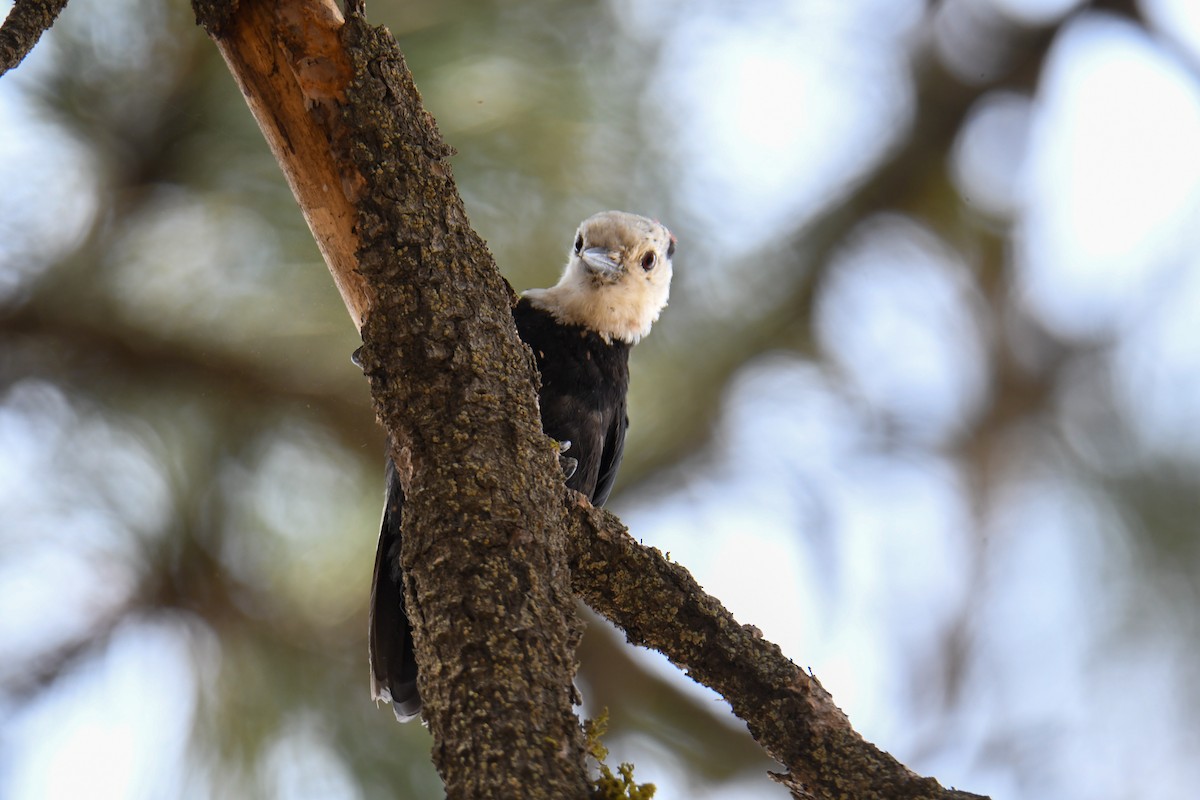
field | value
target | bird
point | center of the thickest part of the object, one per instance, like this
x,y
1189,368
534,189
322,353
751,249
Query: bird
x,y
615,285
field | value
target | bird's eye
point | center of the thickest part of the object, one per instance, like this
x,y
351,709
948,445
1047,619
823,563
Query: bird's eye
x,y
671,248
648,261
579,244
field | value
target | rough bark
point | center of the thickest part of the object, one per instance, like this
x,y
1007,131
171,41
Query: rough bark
x,y
488,536
484,554
659,605
24,25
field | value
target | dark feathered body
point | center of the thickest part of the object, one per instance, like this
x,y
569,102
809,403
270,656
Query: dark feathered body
x,y
616,282
389,642
584,381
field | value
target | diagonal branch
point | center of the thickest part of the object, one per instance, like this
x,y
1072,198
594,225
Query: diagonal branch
x,y
486,584
83,345
660,605
23,27
293,71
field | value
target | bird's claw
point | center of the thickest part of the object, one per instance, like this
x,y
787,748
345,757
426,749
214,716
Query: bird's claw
x,y
568,464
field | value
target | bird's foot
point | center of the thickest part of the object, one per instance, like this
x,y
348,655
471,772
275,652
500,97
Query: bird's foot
x,y
569,465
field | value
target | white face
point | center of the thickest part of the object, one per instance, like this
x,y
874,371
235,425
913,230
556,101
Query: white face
x,y
617,279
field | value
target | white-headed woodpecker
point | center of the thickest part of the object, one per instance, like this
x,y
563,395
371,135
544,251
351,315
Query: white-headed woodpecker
x,y
615,284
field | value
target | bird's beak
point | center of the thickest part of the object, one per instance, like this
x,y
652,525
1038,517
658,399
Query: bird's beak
x,y
597,259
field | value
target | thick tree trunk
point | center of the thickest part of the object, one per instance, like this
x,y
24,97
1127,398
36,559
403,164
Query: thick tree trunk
x,y
484,550
484,554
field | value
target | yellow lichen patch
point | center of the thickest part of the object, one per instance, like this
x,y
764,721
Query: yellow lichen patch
x,y
608,786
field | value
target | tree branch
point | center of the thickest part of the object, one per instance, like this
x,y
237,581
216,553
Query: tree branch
x,y
487,588
660,605
484,552
293,71
45,340
23,27
487,539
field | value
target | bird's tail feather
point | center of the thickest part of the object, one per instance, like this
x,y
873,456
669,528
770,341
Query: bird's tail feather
x,y
390,642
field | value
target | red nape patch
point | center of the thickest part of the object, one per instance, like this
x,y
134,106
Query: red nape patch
x,y
673,239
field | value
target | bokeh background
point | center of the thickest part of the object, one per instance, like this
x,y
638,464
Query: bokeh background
x,y
925,407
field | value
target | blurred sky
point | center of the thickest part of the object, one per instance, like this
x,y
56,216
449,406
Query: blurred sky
x,y
1004,625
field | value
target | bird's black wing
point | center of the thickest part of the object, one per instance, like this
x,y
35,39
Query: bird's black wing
x,y
584,379
390,642
610,459
567,417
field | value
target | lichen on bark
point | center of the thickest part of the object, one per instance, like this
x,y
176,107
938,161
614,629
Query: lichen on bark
x,y
484,553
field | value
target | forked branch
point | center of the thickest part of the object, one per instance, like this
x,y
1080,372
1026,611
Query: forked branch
x,y
311,82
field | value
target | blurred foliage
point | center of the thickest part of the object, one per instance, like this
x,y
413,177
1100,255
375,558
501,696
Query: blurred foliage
x,y
190,475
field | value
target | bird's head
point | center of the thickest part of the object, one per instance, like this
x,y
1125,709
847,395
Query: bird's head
x,y
617,278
